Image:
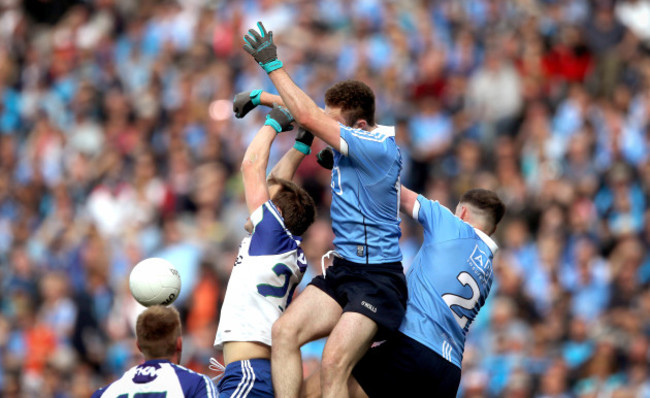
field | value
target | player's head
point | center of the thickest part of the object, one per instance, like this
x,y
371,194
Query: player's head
x,y
297,207
482,209
351,103
158,333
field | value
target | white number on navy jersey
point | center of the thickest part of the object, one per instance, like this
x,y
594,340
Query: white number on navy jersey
x,y
145,395
468,303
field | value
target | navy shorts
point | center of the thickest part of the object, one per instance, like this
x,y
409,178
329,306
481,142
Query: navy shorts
x,y
403,367
250,378
377,291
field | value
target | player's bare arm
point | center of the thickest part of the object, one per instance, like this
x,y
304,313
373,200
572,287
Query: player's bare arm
x,y
256,158
407,200
304,109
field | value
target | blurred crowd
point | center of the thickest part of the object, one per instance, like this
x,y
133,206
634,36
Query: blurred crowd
x,y
117,143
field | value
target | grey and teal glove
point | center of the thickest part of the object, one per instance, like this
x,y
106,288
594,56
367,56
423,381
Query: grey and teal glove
x,y
245,102
326,158
304,139
279,118
261,47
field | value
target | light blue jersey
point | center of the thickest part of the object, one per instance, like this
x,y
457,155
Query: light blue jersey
x,y
365,196
448,281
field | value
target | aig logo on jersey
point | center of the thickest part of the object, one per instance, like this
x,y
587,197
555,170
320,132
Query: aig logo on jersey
x,y
146,373
481,262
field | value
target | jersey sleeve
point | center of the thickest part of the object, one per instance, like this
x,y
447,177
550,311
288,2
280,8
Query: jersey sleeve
x,y
437,220
371,151
98,393
270,236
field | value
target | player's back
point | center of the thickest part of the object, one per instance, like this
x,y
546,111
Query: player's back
x,y
365,196
448,282
159,378
269,266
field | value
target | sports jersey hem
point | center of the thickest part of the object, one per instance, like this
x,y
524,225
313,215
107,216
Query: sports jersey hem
x,y
422,340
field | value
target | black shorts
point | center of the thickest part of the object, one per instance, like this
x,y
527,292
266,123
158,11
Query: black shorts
x,y
402,367
377,291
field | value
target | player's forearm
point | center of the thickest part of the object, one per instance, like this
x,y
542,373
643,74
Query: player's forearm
x,y
256,158
287,166
300,105
305,111
268,99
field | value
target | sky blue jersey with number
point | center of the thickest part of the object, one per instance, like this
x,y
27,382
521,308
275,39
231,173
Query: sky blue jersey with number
x,y
448,282
159,378
365,196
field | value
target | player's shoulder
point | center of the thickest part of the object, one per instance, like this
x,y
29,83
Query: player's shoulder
x,y
379,133
188,378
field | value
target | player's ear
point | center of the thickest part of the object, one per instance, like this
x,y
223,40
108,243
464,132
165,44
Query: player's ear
x,y
137,343
360,124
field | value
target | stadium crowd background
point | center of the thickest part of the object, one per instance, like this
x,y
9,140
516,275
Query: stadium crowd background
x,y
118,143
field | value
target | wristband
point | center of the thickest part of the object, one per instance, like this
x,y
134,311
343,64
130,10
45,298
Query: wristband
x,y
271,66
302,147
255,97
273,123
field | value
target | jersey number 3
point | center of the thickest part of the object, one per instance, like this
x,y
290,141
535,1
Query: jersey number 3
x,y
468,303
267,290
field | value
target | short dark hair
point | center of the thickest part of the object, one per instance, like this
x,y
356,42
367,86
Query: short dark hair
x,y
157,330
297,207
488,203
356,100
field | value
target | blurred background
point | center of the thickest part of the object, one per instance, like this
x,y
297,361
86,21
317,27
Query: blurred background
x,y
118,142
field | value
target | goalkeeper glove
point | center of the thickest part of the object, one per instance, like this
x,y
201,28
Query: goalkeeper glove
x,y
261,47
304,139
326,158
279,118
245,102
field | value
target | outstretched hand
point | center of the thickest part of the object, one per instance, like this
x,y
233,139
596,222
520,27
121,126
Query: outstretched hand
x,y
261,47
245,102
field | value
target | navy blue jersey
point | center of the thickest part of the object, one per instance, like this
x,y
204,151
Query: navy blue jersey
x,y
159,379
365,196
448,281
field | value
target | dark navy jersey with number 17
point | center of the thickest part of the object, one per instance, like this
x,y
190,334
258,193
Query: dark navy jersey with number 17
x,y
365,196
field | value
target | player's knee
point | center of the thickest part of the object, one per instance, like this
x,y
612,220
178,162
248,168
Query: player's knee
x,y
333,363
283,333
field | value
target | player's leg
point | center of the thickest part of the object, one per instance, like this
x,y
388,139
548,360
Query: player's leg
x,y
349,340
311,316
311,387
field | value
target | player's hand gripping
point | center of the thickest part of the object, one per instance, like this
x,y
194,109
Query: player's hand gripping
x,y
279,118
245,102
326,158
304,139
261,47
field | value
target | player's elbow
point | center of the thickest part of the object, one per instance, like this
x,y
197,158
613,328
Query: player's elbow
x,y
249,168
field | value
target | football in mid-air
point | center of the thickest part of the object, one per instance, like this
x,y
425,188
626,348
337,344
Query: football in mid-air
x,y
155,281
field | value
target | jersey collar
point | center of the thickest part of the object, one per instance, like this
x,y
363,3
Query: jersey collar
x,y
488,241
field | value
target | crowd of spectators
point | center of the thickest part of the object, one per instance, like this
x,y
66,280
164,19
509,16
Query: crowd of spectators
x,y
117,143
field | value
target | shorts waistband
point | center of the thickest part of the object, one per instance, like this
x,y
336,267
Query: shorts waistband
x,y
393,265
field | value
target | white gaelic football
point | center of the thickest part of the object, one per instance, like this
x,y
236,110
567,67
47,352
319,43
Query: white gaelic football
x,y
155,281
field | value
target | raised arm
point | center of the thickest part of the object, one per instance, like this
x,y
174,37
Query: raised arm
x,y
304,110
256,158
253,168
407,200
